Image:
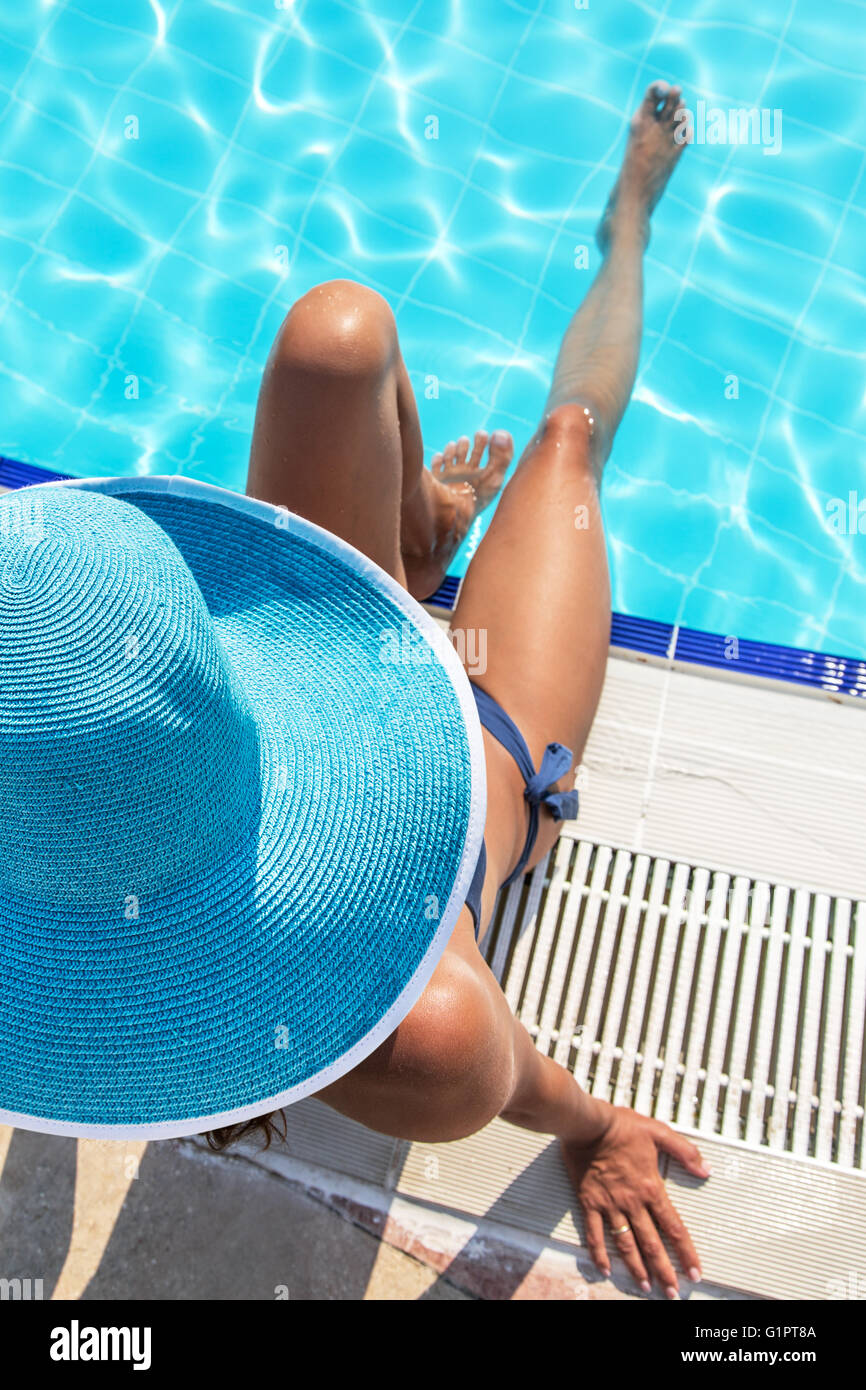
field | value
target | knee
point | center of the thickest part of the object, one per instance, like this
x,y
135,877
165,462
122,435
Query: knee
x,y
570,423
339,328
569,437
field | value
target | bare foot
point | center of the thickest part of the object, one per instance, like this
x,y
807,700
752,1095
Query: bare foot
x,y
650,157
455,466
459,489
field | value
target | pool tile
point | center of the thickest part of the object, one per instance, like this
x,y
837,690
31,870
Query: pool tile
x,y
305,129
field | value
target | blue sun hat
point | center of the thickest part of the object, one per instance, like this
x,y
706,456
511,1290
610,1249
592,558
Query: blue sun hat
x,y
243,796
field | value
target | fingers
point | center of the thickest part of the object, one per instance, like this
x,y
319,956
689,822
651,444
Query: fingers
x,y
623,1238
623,1234
653,1251
671,1225
594,1226
638,1240
682,1149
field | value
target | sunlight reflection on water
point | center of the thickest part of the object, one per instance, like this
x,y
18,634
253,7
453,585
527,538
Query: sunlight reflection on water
x,y
176,174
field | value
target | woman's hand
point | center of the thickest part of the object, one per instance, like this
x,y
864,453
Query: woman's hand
x,y
617,1179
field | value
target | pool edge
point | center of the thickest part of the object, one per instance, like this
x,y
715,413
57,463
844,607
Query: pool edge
x,y
725,654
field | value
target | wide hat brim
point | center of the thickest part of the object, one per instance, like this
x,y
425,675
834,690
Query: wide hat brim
x,y
243,990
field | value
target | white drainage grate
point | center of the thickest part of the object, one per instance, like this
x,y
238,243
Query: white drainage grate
x,y
714,1001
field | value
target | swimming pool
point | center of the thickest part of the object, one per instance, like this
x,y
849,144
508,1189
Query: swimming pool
x,y
175,174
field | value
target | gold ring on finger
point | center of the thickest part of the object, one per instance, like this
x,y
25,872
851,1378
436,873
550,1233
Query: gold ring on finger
x,y
621,1230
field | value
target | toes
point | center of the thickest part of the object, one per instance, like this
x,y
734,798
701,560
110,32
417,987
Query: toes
x,y
478,447
437,462
654,96
501,450
461,451
661,100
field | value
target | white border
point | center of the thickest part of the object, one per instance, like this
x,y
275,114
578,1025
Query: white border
x,y
411,993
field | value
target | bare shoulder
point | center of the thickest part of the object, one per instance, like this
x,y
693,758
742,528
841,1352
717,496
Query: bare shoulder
x,y
447,1069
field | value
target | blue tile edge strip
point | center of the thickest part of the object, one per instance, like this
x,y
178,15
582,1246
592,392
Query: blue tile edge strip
x,y
14,474
842,675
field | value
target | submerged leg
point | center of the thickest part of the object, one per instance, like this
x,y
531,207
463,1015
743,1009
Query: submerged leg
x,y
538,584
539,587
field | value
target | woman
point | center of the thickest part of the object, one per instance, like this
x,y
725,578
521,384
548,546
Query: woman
x,y
337,440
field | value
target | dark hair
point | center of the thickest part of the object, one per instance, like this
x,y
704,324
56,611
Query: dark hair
x,y
266,1127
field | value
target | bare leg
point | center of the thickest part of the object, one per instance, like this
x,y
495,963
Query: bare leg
x,y
598,357
539,587
337,440
538,583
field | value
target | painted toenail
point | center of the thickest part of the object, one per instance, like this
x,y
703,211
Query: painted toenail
x,y
499,437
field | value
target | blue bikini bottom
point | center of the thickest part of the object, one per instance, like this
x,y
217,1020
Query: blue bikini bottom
x,y
557,760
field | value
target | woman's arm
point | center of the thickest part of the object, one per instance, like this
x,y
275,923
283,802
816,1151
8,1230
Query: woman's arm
x,y
461,1058
611,1155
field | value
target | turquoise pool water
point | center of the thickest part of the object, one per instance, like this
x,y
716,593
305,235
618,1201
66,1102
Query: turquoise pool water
x,y
174,174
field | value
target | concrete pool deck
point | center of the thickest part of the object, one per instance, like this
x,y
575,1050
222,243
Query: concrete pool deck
x,y
687,773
